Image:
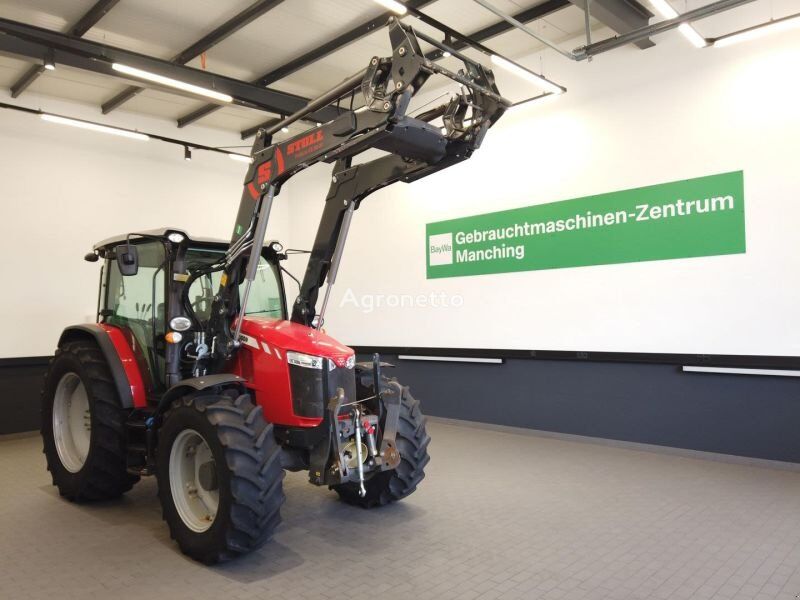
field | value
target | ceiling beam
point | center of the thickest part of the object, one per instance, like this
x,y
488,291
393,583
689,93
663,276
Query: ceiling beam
x,y
308,58
701,12
84,24
231,26
92,17
28,77
333,45
528,15
265,125
621,16
35,42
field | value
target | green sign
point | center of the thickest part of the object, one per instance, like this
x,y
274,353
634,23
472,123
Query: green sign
x,y
682,219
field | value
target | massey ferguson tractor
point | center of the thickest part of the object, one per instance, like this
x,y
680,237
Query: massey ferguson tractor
x,y
198,372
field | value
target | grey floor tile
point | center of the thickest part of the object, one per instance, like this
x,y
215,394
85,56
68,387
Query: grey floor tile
x,y
499,517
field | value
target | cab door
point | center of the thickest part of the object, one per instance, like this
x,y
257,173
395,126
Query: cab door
x,y
137,304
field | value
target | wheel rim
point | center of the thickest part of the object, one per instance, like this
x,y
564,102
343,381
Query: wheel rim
x,y
193,480
72,422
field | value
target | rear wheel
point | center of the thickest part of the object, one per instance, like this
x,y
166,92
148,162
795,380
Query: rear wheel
x,y
83,425
412,442
220,479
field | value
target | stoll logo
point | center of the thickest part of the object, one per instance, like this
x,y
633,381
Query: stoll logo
x,y
440,249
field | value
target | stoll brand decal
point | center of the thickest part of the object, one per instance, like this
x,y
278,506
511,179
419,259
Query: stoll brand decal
x,y
682,219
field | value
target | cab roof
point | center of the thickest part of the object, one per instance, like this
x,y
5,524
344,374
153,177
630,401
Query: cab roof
x,y
157,233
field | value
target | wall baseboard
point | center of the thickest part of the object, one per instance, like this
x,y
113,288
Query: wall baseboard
x,y
22,435
25,361
740,371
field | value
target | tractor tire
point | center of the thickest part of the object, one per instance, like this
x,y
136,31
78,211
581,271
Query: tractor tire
x,y
83,425
220,479
412,442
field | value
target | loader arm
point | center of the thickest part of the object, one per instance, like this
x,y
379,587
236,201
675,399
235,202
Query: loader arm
x,y
414,148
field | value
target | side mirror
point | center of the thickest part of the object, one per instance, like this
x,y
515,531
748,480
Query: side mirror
x,y
91,257
128,260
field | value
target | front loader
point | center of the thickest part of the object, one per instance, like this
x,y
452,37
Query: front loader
x,y
198,372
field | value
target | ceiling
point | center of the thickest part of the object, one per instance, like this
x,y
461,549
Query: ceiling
x,y
288,30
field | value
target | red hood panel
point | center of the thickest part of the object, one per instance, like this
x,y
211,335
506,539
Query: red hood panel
x,y
287,335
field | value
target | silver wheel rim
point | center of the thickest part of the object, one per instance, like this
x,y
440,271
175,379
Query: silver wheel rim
x,y
192,480
72,422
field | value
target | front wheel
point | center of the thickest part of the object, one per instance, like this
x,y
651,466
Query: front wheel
x,y
219,472
412,442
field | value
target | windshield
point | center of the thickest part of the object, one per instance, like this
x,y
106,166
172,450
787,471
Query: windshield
x,y
265,296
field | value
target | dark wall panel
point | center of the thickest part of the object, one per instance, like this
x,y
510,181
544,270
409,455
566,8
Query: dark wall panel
x,y
20,385
646,403
654,404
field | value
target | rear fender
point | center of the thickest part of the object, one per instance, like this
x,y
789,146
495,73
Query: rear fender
x,y
119,358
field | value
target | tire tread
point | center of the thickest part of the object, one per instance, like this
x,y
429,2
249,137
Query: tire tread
x,y
256,476
107,477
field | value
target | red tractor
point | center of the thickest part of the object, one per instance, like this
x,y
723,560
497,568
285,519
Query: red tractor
x,y
197,371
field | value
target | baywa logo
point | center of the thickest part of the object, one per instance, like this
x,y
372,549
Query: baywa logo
x,y
440,249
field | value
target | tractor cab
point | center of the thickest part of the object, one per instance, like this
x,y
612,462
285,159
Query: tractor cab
x,y
150,280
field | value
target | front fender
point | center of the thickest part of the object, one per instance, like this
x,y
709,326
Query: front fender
x,y
196,384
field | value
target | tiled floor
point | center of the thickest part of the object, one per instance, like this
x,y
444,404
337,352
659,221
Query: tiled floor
x,y
499,516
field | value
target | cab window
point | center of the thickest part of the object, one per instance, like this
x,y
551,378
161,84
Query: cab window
x,y
265,295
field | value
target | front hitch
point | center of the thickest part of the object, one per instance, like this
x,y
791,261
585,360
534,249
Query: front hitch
x,y
341,454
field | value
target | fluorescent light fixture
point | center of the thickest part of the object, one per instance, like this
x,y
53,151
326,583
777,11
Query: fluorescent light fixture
x,y
543,99
690,33
665,9
753,33
134,135
535,79
240,158
169,82
393,6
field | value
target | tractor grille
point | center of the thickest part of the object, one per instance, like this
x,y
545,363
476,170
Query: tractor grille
x,y
308,391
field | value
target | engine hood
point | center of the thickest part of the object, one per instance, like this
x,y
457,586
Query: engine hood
x,y
267,335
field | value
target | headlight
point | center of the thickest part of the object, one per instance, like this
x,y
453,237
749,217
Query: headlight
x,y
304,360
180,323
351,362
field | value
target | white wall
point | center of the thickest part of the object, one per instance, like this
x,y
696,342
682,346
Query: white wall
x,y
62,189
631,118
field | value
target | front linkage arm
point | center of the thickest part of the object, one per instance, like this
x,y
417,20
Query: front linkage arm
x,y
416,149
